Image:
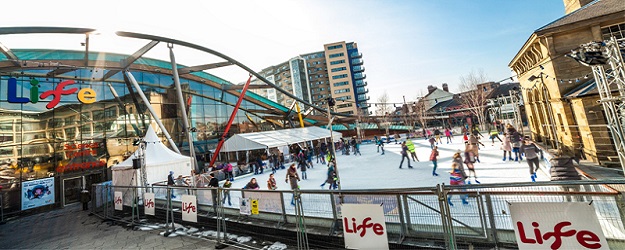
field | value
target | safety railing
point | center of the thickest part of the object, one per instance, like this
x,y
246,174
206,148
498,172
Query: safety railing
x,y
419,213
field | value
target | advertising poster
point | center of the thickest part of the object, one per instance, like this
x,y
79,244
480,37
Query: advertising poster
x,y
148,203
37,193
556,225
119,200
189,208
244,206
364,226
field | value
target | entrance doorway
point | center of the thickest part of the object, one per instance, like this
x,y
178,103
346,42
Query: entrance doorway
x,y
71,190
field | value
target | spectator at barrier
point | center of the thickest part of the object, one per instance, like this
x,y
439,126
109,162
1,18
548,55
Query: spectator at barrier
x,y
271,183
252,185
293,178
170,178
181,181
214,184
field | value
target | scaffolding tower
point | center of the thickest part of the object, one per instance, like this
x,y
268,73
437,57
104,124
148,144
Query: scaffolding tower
x,y
606,61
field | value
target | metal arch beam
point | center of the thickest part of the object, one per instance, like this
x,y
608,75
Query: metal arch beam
x,y
239,87
60,71
9,54
227,58
189,70
50,30
131,59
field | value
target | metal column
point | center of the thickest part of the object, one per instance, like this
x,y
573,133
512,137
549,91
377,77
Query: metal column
x,y
185,119
154,115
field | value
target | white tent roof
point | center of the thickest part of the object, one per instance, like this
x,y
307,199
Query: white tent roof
x,y
276,138
159,159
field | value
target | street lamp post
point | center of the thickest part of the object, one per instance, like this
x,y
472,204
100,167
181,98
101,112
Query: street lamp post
x,y
336,168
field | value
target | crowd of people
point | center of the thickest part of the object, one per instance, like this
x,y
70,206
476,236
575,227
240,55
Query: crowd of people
x,y
514,146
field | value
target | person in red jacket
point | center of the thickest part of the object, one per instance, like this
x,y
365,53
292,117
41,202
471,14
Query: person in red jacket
x,y
434,159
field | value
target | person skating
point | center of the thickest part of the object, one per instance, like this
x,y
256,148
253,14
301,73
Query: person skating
x,y
252,185
404,155
506,147
331,176
381,146
411,149
293,178
494,133
227,185
515,139
432,141
475,142
469,160
434,159
302,167
213,183
448,135
456,178
437,134
531,156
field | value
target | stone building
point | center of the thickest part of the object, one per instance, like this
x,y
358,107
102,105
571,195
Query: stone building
x,y
547,76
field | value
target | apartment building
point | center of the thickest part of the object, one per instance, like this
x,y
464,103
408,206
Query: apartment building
x,y
336,72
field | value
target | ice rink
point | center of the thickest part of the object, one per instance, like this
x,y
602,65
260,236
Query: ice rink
x,y
374,171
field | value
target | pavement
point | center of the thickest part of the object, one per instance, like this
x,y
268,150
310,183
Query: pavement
x,y
72,228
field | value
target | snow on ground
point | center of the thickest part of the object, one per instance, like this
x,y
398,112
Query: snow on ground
x,y
374,171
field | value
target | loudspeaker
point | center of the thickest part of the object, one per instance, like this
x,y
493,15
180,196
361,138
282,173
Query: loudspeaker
x,y
136,163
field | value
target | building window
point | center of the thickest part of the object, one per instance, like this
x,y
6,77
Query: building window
x,y
342,98
337,62
338,69
341,91
339,76
335,47
336,55
618,31
338,84
346,105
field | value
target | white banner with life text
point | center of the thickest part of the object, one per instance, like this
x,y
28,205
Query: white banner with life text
x,y
148,203
364,226
557,225
189,208
119,200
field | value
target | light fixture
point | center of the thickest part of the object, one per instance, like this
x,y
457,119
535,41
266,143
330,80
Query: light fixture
x,y
541,67
586,77
532,78
570,81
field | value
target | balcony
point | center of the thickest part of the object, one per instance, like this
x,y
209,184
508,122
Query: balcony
x,y
360,83
359,76
363,98
355,55
357,62
362,90
358,68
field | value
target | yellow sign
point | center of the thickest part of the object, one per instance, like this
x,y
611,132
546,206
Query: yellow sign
x,y
254,206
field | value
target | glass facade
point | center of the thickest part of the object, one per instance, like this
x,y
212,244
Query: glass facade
x,y
69,123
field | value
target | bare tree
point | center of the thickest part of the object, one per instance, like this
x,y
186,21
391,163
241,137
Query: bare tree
x,y
383,111
474,97
419,109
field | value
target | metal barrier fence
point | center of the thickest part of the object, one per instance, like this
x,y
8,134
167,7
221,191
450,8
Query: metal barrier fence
x,y
419,213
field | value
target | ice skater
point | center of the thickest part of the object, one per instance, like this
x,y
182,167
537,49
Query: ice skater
x,y
469,160
411,149
531,155
448,134
456,178
506,147
381,146
434,159
404,155
293,178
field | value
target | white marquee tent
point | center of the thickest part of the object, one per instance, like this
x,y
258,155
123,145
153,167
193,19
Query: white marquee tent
x,y
159,160
277,138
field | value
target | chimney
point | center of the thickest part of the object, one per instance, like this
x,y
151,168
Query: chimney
x,y
431,89
445,87
573,5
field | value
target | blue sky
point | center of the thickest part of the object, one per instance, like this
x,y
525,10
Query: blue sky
x,y
406,45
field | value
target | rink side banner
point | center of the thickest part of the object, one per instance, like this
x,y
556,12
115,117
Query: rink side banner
x,y
148,203
364,226
37,193
189,208
557,225
119,200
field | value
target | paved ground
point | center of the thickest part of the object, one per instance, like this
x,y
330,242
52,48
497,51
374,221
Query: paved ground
x,y
72,228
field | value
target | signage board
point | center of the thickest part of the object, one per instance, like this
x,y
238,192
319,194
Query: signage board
x,y
244,206
364,226
189,208
119,200
254,206
556,225
37,193
148,203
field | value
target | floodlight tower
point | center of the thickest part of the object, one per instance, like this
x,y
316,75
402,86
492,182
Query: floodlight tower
x,y
606,61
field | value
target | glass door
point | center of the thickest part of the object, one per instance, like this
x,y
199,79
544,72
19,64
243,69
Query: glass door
x,y
71,190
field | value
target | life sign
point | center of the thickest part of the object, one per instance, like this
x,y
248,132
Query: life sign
x,y
189,208
364,226
85,95
555,225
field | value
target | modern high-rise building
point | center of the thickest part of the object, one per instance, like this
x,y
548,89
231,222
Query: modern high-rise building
x,y
336,72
